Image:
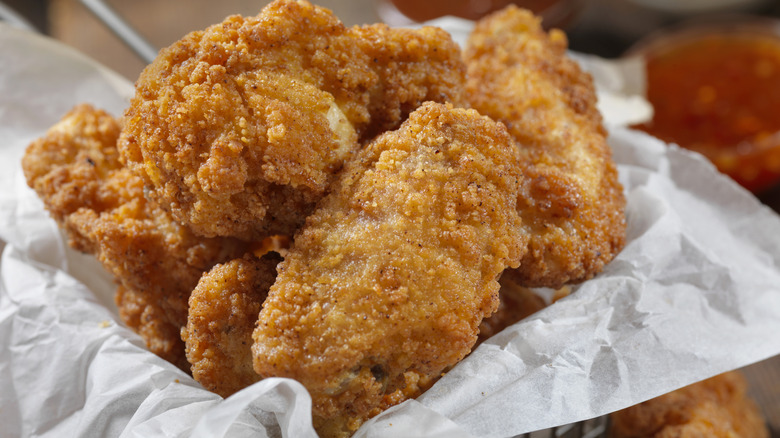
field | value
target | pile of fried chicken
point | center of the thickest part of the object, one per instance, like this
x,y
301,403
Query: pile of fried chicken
x,y
423,190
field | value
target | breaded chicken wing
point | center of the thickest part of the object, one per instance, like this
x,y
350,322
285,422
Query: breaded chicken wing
x,y
75,170
222,315
571,202
715,408
388,281
239,129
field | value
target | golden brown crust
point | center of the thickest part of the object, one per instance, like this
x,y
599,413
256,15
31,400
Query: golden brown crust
x,y
239,129
222,315
715,408
75,170
571,201
388,281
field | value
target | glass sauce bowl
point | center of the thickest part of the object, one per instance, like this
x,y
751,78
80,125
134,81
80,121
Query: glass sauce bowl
x,y
715,89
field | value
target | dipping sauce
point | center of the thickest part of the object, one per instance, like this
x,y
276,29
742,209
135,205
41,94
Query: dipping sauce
x,y
718,93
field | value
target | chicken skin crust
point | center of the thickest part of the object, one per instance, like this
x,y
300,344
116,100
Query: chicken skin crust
x,y
718,407
75,170
571,202
239,129
387,283
222,315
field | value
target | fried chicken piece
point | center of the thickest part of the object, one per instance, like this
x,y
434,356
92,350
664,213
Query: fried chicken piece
x,y
224,308
571,202
715,408
515,303
388,281
239,129
75,170
223,312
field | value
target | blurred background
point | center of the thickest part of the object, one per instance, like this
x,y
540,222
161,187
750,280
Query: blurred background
x,y
602,27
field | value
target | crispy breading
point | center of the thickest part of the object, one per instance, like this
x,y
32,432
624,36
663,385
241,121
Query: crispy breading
x,y
222,315
387,283
718,407
75,170
571,202
239,129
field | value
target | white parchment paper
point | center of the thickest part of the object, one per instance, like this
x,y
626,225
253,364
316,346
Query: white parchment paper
x,y
695,292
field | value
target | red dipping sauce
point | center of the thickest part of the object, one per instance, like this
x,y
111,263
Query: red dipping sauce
x,y
717,91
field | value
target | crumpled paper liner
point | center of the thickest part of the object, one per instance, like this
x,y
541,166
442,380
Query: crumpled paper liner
x,y
695,292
